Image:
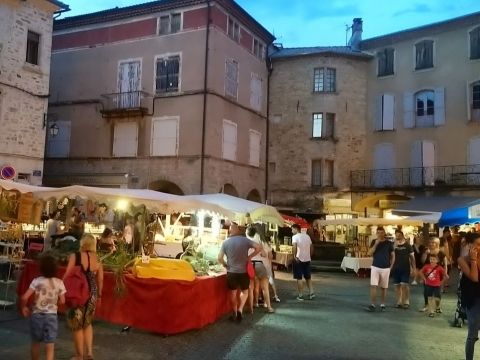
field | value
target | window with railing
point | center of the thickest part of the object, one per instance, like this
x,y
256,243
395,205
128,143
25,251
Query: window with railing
x,y
167,74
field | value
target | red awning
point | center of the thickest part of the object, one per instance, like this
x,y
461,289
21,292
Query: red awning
x,y
290,220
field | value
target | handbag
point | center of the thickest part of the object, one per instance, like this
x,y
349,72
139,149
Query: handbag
x,y
250,270
76,284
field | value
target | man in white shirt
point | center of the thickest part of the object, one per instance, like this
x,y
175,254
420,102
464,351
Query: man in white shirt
x,y
302,250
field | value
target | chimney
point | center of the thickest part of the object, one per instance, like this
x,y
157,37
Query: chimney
x,y
356,38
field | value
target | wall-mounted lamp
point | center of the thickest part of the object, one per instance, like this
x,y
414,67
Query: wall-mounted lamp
x,y
53,130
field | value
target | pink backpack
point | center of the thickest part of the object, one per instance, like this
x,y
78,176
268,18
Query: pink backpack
x,y
78,290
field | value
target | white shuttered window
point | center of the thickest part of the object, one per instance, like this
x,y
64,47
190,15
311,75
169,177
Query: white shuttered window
x,y
164,137
229,143
254,144
125,139
384,117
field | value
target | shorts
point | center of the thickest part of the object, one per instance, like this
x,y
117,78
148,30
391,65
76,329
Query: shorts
x,y
260,270
432,291
43,327
401,276
302,269
238,281
379,277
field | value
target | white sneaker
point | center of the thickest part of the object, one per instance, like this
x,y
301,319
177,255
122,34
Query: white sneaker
x,y
276,299
414,282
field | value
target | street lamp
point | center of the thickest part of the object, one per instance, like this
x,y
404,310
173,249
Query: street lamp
x,y
53,130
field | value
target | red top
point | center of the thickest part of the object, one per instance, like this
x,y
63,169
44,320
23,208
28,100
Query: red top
x,y
433,277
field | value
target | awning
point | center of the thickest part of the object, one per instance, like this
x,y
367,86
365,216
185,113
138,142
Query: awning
x,y
290,220
444,210
371,221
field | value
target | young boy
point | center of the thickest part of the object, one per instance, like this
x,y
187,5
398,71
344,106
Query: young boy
x,y
433,275
48,291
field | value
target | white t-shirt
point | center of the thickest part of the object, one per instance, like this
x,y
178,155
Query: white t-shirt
x,y
303,246
47,291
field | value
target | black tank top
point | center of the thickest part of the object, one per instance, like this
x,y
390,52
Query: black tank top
x,y
470,291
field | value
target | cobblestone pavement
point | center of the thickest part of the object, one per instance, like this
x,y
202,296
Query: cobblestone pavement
x,y
333,326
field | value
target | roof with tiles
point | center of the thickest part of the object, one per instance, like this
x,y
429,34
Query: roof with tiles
x,y
280,53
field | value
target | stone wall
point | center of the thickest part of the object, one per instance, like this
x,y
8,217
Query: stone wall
x,y
23,86
292,148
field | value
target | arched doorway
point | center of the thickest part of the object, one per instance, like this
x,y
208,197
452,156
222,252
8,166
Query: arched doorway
x,y
254,195
166,187
229,189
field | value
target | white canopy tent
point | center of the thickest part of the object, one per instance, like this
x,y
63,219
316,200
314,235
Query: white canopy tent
x,y
372,221
153,200
241,207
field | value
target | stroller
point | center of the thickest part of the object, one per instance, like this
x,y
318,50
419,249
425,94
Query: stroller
x,y
460,316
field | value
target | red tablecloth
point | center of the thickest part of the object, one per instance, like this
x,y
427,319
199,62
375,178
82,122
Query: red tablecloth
x,y
162,306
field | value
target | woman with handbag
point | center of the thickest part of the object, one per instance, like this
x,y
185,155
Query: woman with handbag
x,y
79,318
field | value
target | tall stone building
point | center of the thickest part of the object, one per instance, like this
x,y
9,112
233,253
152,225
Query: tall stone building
x,y
25,49
423,120
166,95
318,103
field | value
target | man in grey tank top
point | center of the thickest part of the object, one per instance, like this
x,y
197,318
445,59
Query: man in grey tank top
x,y
235,248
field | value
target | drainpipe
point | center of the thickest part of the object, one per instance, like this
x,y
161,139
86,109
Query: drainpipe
x,y
267,133
205,83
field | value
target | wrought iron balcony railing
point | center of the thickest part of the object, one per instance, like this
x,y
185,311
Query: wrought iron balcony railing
x,y
125,102
417,177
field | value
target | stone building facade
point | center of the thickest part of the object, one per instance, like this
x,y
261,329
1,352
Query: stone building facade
x,y
318,104
25,51
170,96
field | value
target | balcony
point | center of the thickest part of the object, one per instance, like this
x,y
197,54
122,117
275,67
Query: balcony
x,y
454,176
126,104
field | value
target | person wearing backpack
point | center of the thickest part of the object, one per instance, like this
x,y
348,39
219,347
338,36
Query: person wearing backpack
x,y
80,316
48,291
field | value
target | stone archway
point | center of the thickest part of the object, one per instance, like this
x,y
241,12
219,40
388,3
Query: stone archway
x,y
229,189
166,187
254,195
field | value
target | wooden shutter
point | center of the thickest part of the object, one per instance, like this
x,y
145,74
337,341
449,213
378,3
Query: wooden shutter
x,y
254,144
408,110
59,145
256,92
229,148
384,162
388,111
428,160
416,163
125,139
378,113
439,116
164,137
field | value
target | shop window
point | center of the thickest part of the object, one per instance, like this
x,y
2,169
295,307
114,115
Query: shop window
x,y
231,78
475,43
324,80
385,62
33,44
254,147
164,137
167,74
170,24
229,141
424,55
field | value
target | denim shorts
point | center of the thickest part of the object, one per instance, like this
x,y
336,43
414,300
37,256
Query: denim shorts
x,y
400,276
43,327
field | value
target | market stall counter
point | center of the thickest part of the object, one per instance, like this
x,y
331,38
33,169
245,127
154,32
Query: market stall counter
x,y
162,306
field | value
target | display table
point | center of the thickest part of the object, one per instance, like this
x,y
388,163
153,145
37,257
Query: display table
x,y
283,258
161,306
355,263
